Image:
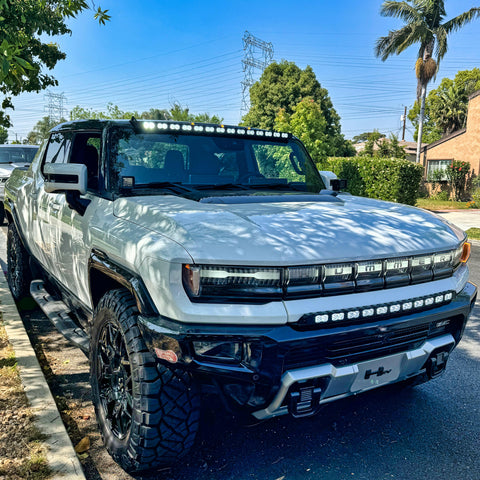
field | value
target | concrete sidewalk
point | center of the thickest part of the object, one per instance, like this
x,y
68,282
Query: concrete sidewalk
x,y
464,219
61,456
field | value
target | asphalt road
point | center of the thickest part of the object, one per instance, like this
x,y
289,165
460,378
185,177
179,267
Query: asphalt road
x,y
430,431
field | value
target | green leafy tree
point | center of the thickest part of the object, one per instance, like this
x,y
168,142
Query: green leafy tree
x,y
3,135
425,25
182,114
308,123
41,129
112,112
156,114
446,107
24,51
176,112
283,86
379,146
363,137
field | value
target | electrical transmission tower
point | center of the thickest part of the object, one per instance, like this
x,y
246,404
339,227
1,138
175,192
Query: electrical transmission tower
x,y
55,108
258,55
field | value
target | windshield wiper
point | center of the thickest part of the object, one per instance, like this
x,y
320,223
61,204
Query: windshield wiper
x,y
221,186
176,187
275,186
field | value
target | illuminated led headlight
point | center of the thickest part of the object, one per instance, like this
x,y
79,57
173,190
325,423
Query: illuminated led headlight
x,y
303,275
442,260
224,282
341,272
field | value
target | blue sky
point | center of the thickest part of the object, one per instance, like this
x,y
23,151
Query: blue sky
x,y
154,53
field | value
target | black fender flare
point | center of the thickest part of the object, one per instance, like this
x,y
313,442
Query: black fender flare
x,y
101,263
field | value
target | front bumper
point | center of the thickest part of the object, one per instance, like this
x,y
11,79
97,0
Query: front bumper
x,y
299,387
289,369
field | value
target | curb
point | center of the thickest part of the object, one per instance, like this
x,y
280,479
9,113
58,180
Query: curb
x,y
61,455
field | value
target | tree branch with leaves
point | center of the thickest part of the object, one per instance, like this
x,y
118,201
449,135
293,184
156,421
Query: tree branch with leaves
x,y
25,56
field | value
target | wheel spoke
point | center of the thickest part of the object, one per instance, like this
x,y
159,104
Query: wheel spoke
x,y
115,380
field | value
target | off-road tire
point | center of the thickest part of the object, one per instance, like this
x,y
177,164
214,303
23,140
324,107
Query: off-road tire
x,y
164,402
19,275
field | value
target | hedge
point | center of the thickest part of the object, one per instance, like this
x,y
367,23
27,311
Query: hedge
x,y
383,178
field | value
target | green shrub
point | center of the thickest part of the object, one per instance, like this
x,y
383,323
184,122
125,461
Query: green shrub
x,y
457,173
382,178
443,196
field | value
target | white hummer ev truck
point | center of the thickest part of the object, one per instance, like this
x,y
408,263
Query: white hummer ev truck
x,y
192,257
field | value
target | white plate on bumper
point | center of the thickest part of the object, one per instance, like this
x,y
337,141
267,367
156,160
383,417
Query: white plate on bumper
x,y
377,372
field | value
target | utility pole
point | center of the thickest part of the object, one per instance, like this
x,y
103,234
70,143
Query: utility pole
x,y
404,119
258,55
55,108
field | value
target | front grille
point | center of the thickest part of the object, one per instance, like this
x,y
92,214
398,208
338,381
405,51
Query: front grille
x,y
355,348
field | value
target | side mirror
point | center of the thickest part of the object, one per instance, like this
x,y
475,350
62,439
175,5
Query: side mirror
x,y
338,184
65,177
332,182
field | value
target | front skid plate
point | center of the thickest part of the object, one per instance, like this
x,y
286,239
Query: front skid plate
x,y
360,377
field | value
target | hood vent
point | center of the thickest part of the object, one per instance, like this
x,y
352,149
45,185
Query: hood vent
x,y
238,199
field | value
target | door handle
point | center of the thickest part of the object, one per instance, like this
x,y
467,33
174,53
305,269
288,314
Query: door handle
x,y
55,207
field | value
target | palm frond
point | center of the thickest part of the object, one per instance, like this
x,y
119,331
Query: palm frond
x,y
459,21
403,10
398,40
441,44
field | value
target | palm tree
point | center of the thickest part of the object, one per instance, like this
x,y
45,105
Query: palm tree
x,y
452,109
425,25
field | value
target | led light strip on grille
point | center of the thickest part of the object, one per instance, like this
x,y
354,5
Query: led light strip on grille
x,y
221,129
373,312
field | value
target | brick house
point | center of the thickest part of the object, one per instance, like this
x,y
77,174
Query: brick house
x,y
463,145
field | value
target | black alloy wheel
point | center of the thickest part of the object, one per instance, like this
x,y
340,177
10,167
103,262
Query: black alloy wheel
x,y
19,275
147,410
114,377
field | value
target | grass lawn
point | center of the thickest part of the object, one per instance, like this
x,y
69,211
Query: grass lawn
x,y
430,204
474,233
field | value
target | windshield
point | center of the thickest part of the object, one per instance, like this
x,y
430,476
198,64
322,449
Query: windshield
x,y
17,154
143,160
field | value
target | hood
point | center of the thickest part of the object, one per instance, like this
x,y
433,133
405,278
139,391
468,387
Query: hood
x,y
6,169
291,233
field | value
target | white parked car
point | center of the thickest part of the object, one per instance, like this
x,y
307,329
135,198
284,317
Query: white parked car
x,y
191,258
13,156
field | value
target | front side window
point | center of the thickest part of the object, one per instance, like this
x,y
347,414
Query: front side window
x,y
58,148
143,159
